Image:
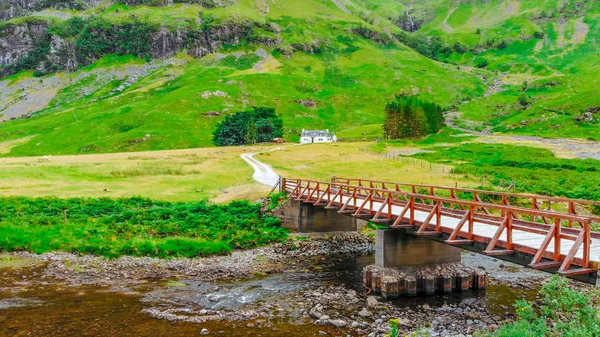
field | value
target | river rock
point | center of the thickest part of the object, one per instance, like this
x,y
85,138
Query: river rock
x,y
372,301
339,323
204,332
364,313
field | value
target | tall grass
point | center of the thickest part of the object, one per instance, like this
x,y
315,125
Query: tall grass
x,y
133,226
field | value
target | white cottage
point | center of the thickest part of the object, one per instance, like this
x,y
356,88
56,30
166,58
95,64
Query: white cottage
x,y
317,136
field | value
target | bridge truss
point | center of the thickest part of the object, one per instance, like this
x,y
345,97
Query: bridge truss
x,y
547,231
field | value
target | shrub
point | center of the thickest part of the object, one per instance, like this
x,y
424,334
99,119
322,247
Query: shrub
x,y
480,62
524,100
562,312
133,226
68,28
35,57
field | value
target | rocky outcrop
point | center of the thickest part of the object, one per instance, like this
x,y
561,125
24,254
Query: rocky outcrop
x,y
19,42
62,52
197,42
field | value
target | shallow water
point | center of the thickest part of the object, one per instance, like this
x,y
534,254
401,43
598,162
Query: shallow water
x,y
28,308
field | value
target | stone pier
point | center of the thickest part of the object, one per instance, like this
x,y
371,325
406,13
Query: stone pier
x,y
307,218
427,280
407,265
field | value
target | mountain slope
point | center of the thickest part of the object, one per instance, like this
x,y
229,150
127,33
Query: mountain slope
x,y
321,64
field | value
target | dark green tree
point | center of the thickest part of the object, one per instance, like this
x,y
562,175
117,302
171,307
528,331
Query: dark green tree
x,y
258,125
410,117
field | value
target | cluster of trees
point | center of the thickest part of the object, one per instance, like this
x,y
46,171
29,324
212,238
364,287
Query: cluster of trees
x,y
258,125
410,117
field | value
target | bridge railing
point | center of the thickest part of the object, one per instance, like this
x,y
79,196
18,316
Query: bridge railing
x,y
398,209
533,201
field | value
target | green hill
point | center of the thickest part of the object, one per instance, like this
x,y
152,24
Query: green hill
x,y
92,77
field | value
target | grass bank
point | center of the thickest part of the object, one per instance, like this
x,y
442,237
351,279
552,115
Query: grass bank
x,y
532,170
133,226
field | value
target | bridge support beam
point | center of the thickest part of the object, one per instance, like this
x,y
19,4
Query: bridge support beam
x,y
307,218
407,265
395,248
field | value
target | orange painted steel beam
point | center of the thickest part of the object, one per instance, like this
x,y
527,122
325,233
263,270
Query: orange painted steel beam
x,y
436,206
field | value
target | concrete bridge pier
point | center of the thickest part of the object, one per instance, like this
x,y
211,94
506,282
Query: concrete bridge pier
x,y
395,248
307,218
407,265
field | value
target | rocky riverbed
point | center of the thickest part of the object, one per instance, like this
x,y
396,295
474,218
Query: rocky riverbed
x,y
309,286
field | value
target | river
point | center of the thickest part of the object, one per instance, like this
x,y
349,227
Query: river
x,y
33,304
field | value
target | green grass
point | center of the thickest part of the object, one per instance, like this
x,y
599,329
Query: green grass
x,y
533,170
350,78
133,226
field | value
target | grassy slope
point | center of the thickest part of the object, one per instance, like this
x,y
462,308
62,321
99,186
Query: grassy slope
x,y
566,55
351,81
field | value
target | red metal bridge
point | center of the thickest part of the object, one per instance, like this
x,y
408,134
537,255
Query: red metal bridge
x,y
547,233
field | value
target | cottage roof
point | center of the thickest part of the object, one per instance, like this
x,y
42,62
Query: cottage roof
x,y
316,133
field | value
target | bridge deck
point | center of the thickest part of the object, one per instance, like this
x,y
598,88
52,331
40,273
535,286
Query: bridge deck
x,y
466,223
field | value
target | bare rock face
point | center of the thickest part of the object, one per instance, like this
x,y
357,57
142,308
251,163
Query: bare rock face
x,y
17,41
63,52
47,52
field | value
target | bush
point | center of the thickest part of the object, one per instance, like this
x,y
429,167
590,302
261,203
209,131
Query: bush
x,y
35,57
480,62
133,226
432,47
562,312
68,28
524,100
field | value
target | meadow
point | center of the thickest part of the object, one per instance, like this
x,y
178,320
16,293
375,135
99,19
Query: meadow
x,y
215,174
218,174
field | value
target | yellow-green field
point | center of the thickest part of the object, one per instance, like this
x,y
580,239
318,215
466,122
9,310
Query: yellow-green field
x,y
352,160
218,174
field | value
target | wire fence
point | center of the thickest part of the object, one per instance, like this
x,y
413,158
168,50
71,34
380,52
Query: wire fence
x,y
481,179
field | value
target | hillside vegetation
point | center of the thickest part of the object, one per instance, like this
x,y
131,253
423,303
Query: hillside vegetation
x,y
147,75
133,226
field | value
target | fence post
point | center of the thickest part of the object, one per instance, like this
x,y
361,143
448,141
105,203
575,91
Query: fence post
x,y
557,239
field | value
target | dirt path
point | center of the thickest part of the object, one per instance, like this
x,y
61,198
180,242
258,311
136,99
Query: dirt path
x,y
561,147
263,173
341,6
445,23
